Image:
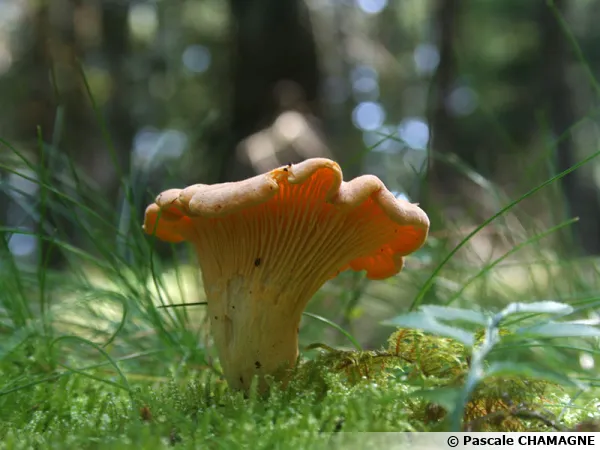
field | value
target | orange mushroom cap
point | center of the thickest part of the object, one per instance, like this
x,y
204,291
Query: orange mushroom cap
x,y
379,228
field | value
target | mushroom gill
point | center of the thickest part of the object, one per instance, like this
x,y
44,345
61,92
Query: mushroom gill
x,y
265,245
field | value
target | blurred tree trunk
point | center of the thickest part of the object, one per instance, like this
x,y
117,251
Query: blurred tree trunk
x,y
275,69
39,106
55,69
116,48
443,179
39,111
51,72
581,194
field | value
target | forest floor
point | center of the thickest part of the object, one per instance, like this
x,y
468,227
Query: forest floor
x,y
100,376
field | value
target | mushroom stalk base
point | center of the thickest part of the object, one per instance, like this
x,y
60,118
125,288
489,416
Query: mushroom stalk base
x,y
255,330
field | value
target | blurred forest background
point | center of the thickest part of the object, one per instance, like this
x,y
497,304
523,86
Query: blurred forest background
x,y
469,107
438,98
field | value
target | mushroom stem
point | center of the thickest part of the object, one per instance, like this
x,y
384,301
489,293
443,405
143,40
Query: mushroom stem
x,y
254,330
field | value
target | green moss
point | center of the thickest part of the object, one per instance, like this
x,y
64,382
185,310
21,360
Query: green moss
x,y
404,387
429,367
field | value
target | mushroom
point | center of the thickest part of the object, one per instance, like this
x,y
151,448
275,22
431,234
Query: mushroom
x,y
266,245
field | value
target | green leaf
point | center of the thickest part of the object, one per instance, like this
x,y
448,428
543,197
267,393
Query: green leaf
x,y
448,313
562,329
422,321
544,307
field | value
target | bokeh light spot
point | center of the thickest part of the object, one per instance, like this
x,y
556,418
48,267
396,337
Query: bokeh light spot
x,y
22,245
372,6
143,20
427,58
462,101
401,195
586,361
196,58
415,132
152,146
368,116
363,71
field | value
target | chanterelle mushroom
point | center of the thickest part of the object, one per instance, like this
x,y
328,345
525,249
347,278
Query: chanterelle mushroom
x,y
266,244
